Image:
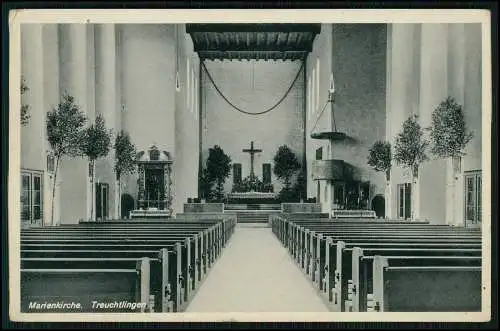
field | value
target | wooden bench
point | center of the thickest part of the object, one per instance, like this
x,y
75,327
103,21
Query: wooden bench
x,y
184,248
209,243
399,287
127,282
179,261
358,267
324,250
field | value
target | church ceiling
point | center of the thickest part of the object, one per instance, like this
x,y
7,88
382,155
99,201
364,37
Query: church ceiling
x,y
253,41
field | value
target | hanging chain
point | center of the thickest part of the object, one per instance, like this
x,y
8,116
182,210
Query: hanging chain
x,y
244,111
319,116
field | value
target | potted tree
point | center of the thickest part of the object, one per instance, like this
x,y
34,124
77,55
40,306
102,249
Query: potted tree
x,y
286,165
125,153
95,143
218,169
380,159
206,184
410,151
449,136
64,127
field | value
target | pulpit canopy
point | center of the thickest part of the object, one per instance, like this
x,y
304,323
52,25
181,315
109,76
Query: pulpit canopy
x,y
153,154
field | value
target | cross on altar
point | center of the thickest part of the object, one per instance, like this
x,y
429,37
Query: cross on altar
x,y
252,151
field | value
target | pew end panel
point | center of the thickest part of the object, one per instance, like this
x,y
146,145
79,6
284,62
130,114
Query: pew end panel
x,y
94,290
426,288
340,283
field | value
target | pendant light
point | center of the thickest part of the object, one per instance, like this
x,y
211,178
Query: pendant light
x,y
333,134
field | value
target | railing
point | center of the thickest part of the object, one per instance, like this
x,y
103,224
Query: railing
x,y
343,213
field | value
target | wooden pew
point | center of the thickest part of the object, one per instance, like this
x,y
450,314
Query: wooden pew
x,y
399,287
81,239
172,259
182,253
316,245
313,238
223,229
213,240
359,268
130,283
320,261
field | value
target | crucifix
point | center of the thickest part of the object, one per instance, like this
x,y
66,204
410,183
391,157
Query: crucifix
x,y
251,151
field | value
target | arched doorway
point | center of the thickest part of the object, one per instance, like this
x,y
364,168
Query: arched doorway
x,y
378,205
127,202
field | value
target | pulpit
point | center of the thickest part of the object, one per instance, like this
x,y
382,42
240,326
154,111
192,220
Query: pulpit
x,y
154,198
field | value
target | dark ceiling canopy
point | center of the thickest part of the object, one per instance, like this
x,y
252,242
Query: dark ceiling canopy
x,y
253,41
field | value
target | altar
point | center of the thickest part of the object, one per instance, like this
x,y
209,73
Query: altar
x,y
251,192
154,198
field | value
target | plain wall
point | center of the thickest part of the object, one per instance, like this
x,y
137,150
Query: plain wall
x,y
253,86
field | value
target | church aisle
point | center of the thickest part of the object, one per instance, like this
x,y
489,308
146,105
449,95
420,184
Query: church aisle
x,y
256,274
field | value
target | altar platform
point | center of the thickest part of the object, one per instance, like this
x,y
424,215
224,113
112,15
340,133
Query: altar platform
x,y
252,198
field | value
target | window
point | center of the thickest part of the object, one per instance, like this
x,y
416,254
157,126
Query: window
x,y
404,201
319,153
473,197
31,197
102,201
188,82
317,82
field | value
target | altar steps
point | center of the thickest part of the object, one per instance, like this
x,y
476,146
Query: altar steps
x,y
252,217
237,207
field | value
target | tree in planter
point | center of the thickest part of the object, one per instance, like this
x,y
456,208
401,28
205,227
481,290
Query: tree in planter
x,y
218,169
300,188
64,127
25,116
206,185
95,143
380,159
286,165
410,150
449,135
125,153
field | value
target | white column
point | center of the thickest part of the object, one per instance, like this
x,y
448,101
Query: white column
x,y
51,99
73,80
33,148
106,101
456,89
433,90
401,97
91,111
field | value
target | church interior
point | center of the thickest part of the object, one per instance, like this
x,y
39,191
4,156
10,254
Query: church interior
x,y
235,135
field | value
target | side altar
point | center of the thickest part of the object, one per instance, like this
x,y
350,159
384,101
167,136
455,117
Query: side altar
x,y
154,197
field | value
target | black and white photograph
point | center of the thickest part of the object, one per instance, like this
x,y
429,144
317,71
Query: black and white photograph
x,y
190,165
